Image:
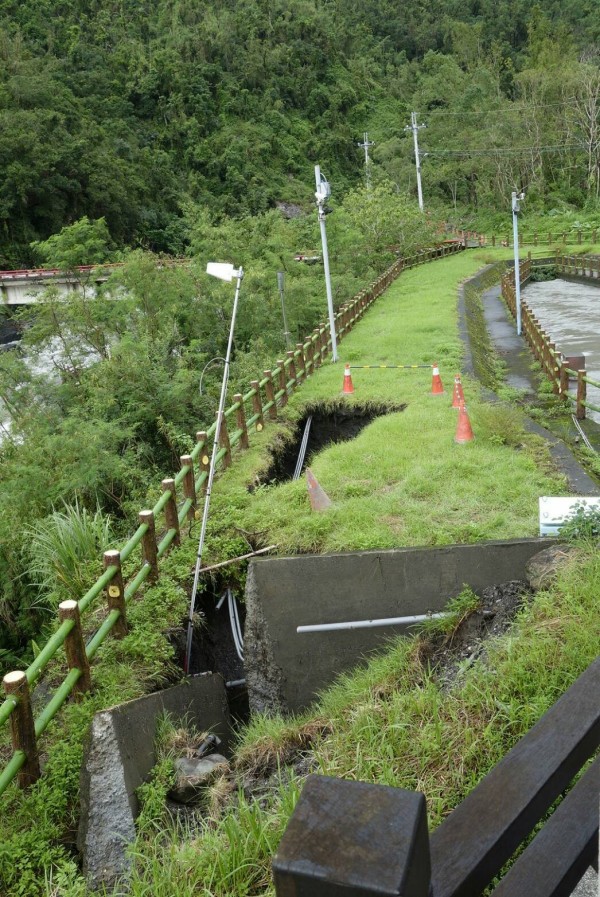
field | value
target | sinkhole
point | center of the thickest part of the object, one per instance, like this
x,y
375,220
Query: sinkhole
x,y
327,425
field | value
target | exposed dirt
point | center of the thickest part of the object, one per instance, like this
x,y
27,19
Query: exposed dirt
x,y
498,608
327,426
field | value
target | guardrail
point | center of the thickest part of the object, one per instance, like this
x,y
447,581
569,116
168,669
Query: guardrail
x,y
265,397
551,359
357,838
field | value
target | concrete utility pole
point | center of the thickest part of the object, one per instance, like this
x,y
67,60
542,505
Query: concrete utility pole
x,y
365,144
414,127
516,208
322,193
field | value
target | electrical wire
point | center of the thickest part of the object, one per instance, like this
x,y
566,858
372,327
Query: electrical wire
x,y
498,151
506,111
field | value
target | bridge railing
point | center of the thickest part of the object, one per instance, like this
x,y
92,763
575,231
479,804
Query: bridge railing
x,y
178,502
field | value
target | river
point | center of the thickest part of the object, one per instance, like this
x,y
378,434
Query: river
x,y
570,315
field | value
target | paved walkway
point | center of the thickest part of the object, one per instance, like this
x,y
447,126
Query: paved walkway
x,y
516,355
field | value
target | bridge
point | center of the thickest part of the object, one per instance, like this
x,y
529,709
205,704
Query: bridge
x,y
25,287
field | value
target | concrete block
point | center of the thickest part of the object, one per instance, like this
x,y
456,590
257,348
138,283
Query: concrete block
x,y
119,757
285,670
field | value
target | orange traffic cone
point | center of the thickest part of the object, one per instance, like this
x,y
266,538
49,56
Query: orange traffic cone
x,y
348,386
436,382
464,433
458,395
319,500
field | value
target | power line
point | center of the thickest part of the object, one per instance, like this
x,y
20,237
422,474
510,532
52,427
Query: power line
x,y
501,111
498,151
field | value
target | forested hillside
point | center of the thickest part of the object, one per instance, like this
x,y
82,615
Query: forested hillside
x,y
138,112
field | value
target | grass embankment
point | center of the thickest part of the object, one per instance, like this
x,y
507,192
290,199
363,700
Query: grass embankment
x,y
402,481
392,724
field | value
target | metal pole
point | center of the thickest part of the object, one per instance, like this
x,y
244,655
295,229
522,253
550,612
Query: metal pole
x,y
414,127
211,474
515,210
286,332
371,624
320,206
365,144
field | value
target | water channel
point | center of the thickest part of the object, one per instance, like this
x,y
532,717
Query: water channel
x,y
570,314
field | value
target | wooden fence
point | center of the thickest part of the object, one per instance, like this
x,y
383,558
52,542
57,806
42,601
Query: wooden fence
x,y
575,237
249,410
356,839
553,362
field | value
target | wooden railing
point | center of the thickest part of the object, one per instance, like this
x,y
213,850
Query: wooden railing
x,y
359,839
249,410
575,237
552,360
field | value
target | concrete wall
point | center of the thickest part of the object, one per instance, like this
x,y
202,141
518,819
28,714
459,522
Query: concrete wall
x,y
285,670
119,757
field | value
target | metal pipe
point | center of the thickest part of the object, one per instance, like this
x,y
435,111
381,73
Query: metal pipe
x,y
211,473
371,624
302,452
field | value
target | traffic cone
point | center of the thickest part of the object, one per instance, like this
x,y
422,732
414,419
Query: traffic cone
x,y
436,382
319,500
458,395
348,386
464,433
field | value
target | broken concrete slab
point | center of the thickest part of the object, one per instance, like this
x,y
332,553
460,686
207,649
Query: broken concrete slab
x,y
285,669
119,757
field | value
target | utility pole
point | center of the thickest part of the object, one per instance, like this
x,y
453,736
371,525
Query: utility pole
x,y
322,194
516,208
414,127
365,144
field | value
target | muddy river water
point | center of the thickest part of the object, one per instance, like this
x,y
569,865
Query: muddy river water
x,y
570,315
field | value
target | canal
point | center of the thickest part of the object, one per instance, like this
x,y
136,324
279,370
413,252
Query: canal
x,y
570,314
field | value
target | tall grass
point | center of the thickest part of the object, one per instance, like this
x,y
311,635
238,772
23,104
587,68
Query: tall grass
x,y
64,551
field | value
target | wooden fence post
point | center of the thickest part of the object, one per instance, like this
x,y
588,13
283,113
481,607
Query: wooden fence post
x,y
581,395
149,552
189,484
22,727
224,441
257,405
324,338
301,362
564,378
201,436
171,515
317,360
241,420
270,394
75,647
292,369
282,381
115,591
354,838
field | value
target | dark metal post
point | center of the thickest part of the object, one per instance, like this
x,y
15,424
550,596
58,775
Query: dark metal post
x,y
353,839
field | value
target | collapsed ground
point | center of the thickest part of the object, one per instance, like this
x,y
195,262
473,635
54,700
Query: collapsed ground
x,y
402,481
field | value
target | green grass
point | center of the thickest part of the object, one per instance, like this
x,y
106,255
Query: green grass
x,y
390,723
403,481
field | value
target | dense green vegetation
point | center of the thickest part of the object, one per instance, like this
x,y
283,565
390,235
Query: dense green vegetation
x,y
106,395
498,500
145,113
